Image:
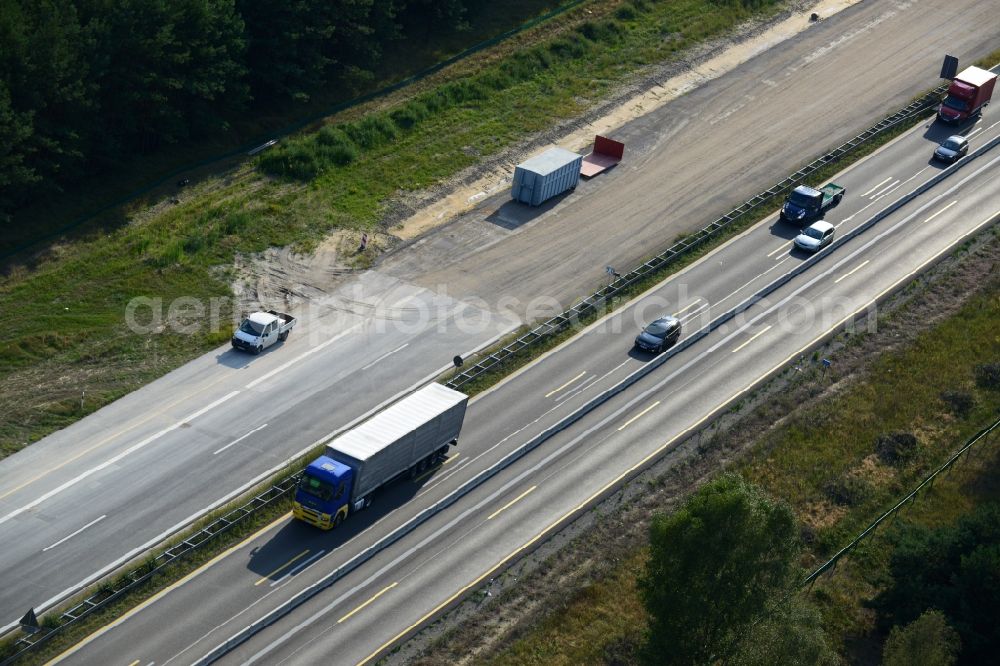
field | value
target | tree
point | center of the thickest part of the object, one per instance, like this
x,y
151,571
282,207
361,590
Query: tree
x,y
928,640
714,567
792,634
955,569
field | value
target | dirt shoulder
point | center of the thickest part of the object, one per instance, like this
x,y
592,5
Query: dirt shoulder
x,y
590,551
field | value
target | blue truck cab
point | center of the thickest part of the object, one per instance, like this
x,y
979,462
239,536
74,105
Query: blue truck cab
x,y
324,493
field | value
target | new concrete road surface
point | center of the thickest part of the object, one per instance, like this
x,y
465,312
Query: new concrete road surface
x,y
87,497
371,603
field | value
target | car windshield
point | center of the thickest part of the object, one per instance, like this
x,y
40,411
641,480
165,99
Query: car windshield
x,y
951,145
956,103
800,200
251,327
315,487
658,328
813,232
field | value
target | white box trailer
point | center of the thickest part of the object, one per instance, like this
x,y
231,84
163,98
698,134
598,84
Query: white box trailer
x,y
396,440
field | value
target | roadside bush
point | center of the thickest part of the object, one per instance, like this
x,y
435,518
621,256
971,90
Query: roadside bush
x,y
848,490
604,31
371,131
896,447
988,375
409,115
959,403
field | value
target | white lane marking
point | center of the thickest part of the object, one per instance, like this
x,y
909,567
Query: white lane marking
x,y
884,190
689,306
751,281
940,211
916,174
298,358
111,461
892,188
975,131
240,439
753,337
554,391
993,125
298,568
693,313
65,539
387,355
877,186
569,394
852,271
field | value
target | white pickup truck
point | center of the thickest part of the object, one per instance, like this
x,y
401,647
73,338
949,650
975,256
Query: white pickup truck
x,y
261,330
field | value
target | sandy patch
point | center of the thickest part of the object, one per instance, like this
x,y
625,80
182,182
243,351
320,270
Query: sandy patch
x,y
466,196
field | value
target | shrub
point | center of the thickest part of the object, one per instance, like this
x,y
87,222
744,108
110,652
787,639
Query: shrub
x,y
895,447
988,375
371,131
960,403
848,490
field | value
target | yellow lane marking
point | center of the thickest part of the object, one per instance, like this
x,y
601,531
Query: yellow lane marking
x,y
940,211
162,593
283,566
510,503
551,393
377,595
626,424
877,186
427,473
852,272
693,303
134,663
489,572
753,337
450,458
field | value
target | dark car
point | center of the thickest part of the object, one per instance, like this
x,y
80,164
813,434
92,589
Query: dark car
x,y
660,334
952,149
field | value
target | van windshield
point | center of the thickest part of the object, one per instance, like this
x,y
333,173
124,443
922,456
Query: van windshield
x,y
252,328
801,200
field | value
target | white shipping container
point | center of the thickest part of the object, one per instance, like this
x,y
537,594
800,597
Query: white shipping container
x,y
544,176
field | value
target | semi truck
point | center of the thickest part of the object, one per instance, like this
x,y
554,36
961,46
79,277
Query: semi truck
x,y
806,204
403,440
261,330
968,93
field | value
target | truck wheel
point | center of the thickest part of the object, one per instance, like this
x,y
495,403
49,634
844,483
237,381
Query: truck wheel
x,y
837,199
258,349
338,519
283,336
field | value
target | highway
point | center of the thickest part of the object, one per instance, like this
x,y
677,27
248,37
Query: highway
x,y
389,595
92,495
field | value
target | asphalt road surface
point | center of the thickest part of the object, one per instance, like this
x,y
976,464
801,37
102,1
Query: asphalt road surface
x,y
92,495
391,594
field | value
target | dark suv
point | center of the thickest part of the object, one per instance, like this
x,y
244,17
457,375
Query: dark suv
x,y
659,335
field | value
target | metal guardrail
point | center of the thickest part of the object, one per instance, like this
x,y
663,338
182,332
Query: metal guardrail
x,y
982,435
109,593
598,299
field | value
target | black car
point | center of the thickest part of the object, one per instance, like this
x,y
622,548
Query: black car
x,y
660,334
952,149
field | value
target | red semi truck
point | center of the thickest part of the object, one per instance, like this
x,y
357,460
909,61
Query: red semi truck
x,y
968,93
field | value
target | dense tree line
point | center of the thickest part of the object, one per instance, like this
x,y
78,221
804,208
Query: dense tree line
x,y
84,83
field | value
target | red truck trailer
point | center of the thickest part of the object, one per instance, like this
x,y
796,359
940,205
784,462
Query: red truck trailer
x,y
968,93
